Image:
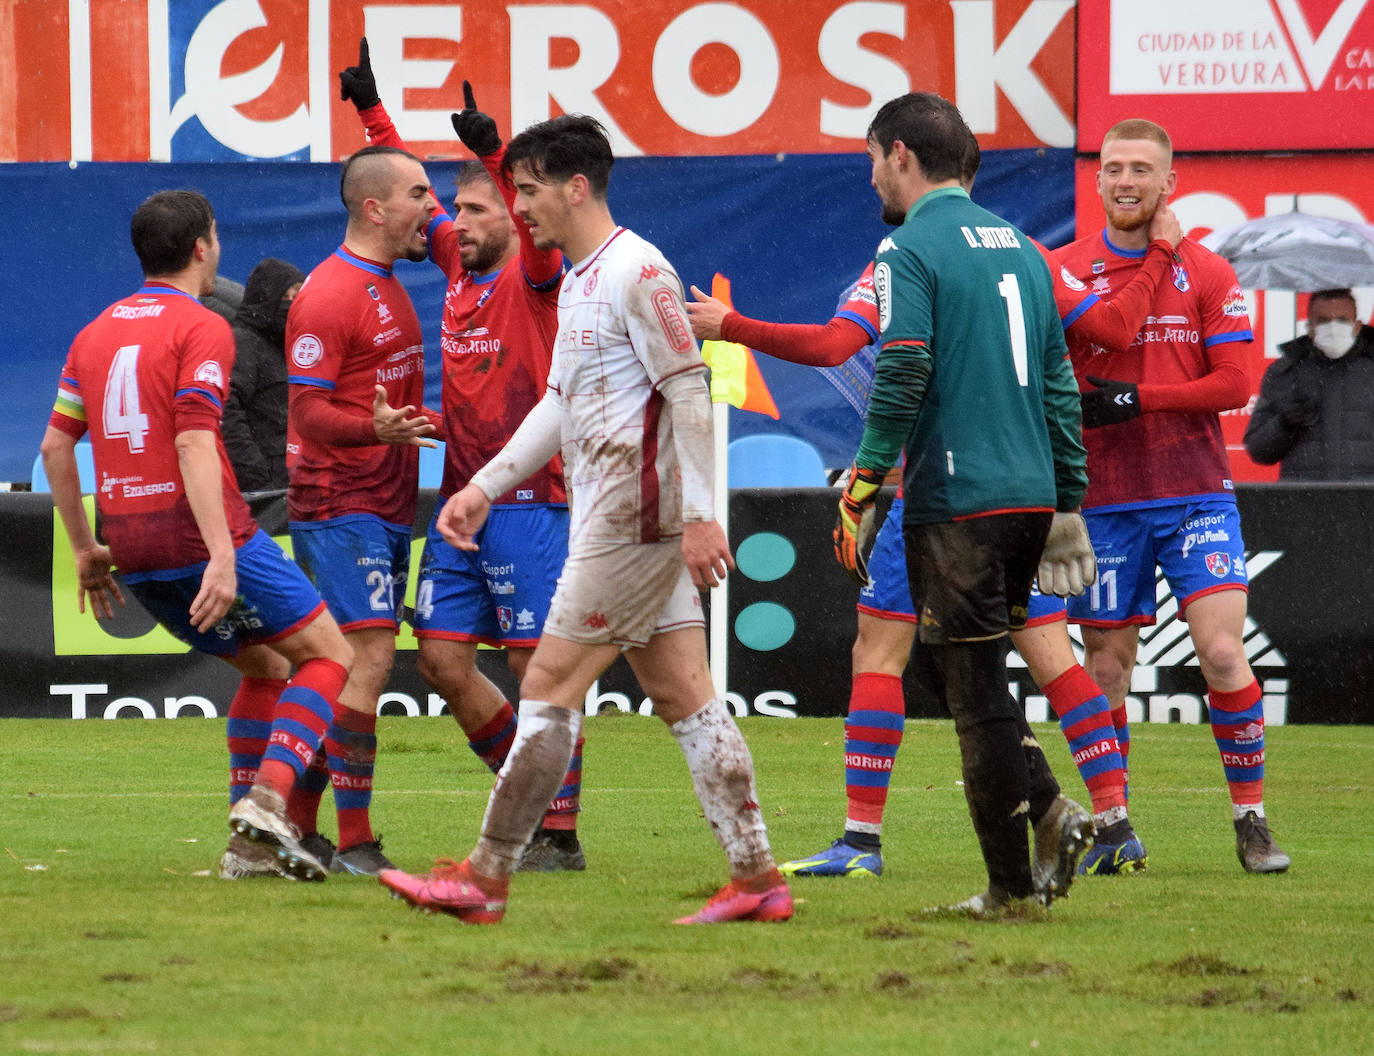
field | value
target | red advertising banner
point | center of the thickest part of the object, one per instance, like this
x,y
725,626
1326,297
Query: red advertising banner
x,y
211,80
1230,74
1216,193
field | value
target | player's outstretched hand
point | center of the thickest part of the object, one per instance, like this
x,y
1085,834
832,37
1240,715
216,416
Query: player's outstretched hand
x,y
95,582
400,425
1067,564
707,553
218,589
476,130
1164,224
707,313
463,516
357,84
1109,402
853,535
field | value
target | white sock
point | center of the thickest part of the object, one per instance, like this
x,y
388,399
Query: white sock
x,y
723,776
534,770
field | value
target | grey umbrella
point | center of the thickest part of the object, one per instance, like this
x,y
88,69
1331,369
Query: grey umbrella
x,y
1298,251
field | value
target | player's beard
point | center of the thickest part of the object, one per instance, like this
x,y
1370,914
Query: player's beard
x,y
1132,221
482,256
893,215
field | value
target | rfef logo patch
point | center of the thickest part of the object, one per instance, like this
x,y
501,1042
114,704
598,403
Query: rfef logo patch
x,y
210,373
307,351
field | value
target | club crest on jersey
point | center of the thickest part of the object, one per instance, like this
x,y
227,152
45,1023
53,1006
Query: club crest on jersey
x,y
1219,564
590,284
482,299
1181,282
1070,280
210,373
307,351
674,326
505,616
1099,266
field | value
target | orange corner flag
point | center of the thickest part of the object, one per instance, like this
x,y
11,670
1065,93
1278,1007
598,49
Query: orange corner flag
x,y
735,377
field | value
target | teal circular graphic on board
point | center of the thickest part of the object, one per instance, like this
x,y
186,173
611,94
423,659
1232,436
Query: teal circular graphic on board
x,y
764,626
765,556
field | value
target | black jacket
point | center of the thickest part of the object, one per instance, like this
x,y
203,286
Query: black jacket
x,y
1315,416
255,413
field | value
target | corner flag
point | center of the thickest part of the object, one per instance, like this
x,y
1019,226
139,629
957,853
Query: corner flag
x,y
735,377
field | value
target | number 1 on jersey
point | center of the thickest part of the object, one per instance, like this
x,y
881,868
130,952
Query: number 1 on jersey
x,y
121,414
1016,322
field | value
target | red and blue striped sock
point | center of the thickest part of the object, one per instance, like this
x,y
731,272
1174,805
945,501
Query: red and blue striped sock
x,y
1123,743
351,745
303,805
247,730
872,735
491,742
302,715
563,811
1238,728
1086,719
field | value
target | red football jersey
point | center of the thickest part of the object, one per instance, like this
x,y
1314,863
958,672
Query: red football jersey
x,y
1162,455
496,341
147,368
351,328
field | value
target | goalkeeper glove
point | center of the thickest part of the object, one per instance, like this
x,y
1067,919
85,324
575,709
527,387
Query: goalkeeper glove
x,y
1110,402
853,533
476,130
357,84
1067,564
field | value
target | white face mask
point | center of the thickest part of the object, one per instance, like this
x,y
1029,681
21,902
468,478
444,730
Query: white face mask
x,y
1334,338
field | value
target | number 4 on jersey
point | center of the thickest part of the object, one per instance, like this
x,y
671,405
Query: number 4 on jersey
x,y
122,416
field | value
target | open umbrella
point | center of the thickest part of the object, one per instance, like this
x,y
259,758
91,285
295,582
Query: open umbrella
x,y
1298,251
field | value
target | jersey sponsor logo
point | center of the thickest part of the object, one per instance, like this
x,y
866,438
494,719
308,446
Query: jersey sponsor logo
x,y
1070,280
210,373
1181,282
674,326
882,286
386,335
1219,564
307,351
138,311
1235,307
647,272
138,491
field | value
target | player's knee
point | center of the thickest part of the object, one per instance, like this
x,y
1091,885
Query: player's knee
x,y
1222,659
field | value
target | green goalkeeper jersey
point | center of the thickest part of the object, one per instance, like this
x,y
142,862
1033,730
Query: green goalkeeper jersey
x,y
966,307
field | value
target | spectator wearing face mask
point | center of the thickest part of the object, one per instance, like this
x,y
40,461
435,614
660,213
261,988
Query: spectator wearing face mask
x,y
1315,415
254,424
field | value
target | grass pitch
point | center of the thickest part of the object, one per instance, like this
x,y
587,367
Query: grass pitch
x,y
115,937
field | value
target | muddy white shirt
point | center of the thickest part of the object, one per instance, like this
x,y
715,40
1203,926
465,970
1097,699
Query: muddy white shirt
x,y
623,337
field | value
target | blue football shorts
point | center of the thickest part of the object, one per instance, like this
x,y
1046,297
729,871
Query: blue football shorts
x,y
1197,545
888,593
274,599
359,564
500,594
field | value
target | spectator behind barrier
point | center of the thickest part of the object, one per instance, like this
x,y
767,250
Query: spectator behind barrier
x,y
1315,414
225,298
254,423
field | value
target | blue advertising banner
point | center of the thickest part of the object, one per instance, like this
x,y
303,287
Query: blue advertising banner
x,y
791,232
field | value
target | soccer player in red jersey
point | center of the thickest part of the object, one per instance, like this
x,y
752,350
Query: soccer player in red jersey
x,y
355,363
499,322
886,619
147,379
1160,491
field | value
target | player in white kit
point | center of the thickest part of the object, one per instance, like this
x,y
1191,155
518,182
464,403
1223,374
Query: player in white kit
x,y
628,405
